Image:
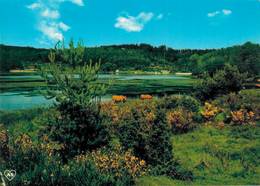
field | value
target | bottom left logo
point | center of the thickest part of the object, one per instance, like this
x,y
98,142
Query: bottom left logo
x,y
8,174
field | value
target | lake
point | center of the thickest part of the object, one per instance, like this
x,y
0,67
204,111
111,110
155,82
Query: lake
x,y
125,84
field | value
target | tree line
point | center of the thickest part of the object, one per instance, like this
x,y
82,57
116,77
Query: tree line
x,y
144,57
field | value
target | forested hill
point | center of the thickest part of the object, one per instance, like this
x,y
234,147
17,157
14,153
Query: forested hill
x,y
144,57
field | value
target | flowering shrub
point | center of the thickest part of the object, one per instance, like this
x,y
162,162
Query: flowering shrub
x,y
210,111
245,100
242,117
116,162
114,113
4,139
24,143
50,147
180,120
176,101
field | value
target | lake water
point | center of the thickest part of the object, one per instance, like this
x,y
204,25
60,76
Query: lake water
x,y
22,100
25,99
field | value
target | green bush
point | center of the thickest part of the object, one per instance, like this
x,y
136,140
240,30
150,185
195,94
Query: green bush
x,y
78,92
36,164
246,100
88,174
77,128
4,142
52,172
180,120
149,140
135,133
183,112
224,81
172,169
187,102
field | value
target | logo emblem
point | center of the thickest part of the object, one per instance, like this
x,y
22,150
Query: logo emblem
x,y
10,174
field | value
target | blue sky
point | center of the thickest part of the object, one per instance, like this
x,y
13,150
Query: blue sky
x,y
176,23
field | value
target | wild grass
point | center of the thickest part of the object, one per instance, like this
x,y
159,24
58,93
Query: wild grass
x,y
230,156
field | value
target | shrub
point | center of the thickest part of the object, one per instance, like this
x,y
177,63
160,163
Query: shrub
x,y
4,140
172,169
224,81
180,120
187,102
86,173
77,92
242,117
209,111
149,139
36,164
245,100
116,162
77,129
137,134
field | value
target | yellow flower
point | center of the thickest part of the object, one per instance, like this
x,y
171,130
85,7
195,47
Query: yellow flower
x,y
142,162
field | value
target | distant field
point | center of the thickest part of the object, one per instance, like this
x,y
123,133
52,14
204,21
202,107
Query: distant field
x,y
129,86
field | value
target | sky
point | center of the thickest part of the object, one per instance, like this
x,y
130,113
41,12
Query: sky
x,y
178,24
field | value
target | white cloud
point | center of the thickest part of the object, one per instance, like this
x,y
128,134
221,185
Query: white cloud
x,y
63,26
145,17
50,30
34,6
227,12
49,24
133,24
213,14
224,12
78,2
52,14
160,16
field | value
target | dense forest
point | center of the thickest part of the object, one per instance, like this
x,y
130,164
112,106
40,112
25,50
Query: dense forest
x,y
144,57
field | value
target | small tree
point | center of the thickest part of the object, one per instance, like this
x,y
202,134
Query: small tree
x,y
224,81
77,91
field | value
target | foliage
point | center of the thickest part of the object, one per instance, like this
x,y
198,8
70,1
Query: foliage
x,y
245,100
4,140
205,155
78,129
36,164
224,81
75,86
7,117
210,111
187,102
180,120
143,57
241,117
141,128
77,91
116,162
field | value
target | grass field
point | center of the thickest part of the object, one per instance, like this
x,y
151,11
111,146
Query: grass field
x,y
128,87
229,156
